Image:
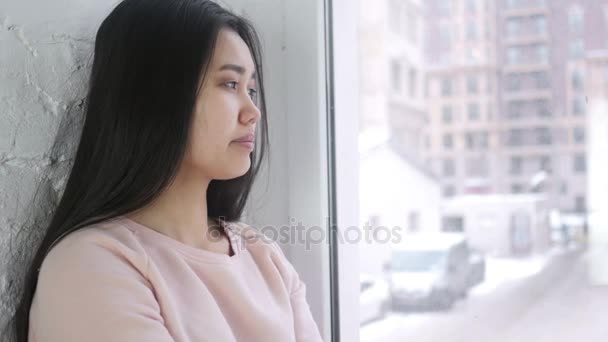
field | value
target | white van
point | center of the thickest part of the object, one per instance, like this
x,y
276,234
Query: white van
x,y
432,270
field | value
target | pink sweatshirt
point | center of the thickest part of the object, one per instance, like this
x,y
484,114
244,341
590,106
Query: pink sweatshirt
x,y
120,281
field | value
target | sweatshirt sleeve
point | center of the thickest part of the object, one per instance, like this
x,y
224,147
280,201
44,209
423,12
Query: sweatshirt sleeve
x,y
94,290
305,327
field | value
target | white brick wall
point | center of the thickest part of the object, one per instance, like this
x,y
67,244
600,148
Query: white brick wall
x,y
45,56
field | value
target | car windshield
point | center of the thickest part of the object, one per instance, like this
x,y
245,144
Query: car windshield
x,y
417,261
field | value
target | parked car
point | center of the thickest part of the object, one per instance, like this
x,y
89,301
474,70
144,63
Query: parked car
x,y
432,271
374,298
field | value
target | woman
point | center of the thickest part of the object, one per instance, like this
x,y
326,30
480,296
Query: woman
x,y
145,244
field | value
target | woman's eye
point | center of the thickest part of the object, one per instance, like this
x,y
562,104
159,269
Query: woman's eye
x,y
231,84
253,93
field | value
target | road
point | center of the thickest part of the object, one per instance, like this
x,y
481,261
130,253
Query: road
x,y
554,304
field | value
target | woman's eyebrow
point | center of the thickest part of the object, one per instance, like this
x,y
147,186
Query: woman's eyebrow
x,y
236,68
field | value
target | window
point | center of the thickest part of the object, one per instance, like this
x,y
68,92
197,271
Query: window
x,y
513,82
516,165
540,24
471,30
448,168
543,135
578,134
575,20
577,107
473,111
471,6
542,108
514,109
544,163
513,27
448,141
452,223
515,137
446,114
446,87
580,163
448,191
542,53
396,76
513,55
517,188
577,48
413,81
541,79
472,84
580,205
476,167
577,80
564,188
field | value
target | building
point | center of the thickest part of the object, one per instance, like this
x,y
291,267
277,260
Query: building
x,y
506,95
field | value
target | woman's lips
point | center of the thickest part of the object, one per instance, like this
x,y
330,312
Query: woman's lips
x,y
245,143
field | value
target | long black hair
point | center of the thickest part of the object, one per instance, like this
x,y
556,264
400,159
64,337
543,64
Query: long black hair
x,y
148,60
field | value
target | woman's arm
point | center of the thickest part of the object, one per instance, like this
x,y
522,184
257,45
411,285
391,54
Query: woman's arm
x,y
93,291
305,327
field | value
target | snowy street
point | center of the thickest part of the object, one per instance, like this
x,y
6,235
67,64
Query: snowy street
x,y
540,299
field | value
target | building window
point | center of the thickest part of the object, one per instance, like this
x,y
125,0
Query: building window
x,y
577,80
540,23
448,167
452,224
513,27
513,82
445,6
577,48
578,134
542,108
476,167
577,107
515,137
471,30
473,111
541,79
514,109
580,163
412,81
471,6
446,86
447,114
448,191
544,163
542,53
580,205
517,188
513,55
516,165
476,140
445,36
448,141
564,188
543,136
396,76
575,19
472,84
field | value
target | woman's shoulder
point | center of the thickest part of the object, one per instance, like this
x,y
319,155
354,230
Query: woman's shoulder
x,y
259,243
95,245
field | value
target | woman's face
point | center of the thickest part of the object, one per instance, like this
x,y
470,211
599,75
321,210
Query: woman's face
x,y
225,111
